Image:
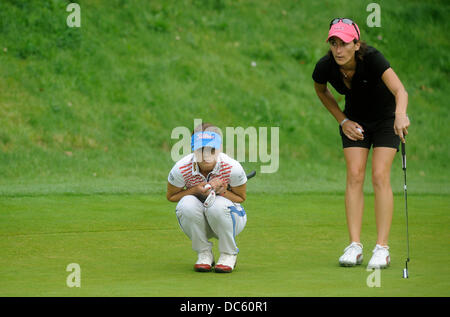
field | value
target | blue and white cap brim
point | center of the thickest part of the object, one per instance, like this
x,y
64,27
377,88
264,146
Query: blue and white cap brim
x,y
205,138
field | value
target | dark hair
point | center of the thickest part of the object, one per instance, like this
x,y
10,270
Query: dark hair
x,y
359,54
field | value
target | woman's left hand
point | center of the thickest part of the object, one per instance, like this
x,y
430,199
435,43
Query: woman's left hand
x,y
401,125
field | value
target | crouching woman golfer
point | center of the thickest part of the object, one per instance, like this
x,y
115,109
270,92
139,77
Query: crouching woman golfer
x,y
200,219
374,115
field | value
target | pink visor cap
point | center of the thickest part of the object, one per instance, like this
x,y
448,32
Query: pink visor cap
x,y
345,32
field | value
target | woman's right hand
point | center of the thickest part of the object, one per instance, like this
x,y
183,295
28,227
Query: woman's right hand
x,y
199,190
353,130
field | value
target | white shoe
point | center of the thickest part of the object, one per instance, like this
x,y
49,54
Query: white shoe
x,y
352,255
226,263
380,258
205,262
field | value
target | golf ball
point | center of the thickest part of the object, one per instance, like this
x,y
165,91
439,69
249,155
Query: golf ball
x,y
360,131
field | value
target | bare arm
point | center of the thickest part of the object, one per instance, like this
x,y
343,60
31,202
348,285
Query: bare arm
x,y
396,87
236,194
174,193
349,127
328,101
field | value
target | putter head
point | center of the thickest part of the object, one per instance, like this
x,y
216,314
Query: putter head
x,y
405,273
209,201
405,270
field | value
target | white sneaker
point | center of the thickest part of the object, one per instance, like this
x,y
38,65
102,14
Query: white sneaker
x,y
226,263
380,258
352,255
205,262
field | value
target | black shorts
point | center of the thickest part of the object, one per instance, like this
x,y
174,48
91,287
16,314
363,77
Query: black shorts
x,y
376,134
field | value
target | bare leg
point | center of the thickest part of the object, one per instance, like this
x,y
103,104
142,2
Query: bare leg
x,y
384,201
356,159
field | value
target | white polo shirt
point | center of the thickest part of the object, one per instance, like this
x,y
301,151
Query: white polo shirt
x,y
186,172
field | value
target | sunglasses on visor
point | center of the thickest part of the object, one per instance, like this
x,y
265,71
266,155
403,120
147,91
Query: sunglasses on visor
x,y
346,21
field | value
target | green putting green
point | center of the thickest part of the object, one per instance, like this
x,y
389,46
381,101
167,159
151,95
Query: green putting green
x,y
131,245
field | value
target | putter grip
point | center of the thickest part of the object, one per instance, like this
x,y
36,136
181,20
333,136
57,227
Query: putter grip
x,y
403,155
251,174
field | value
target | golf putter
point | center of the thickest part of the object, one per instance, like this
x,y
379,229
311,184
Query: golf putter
x,y
405,270
251,174
209,201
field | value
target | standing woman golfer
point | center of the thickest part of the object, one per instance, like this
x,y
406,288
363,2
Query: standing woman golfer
x,y
374,115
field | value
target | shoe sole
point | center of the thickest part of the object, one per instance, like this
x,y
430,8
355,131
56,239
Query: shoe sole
x,y
224,269
203,269
384,266
378,267
349,264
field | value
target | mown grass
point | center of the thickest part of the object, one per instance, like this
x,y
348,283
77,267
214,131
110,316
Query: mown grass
x,y
131,245
86,116
97,104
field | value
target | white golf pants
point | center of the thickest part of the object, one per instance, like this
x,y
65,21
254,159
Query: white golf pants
x,y
224,220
